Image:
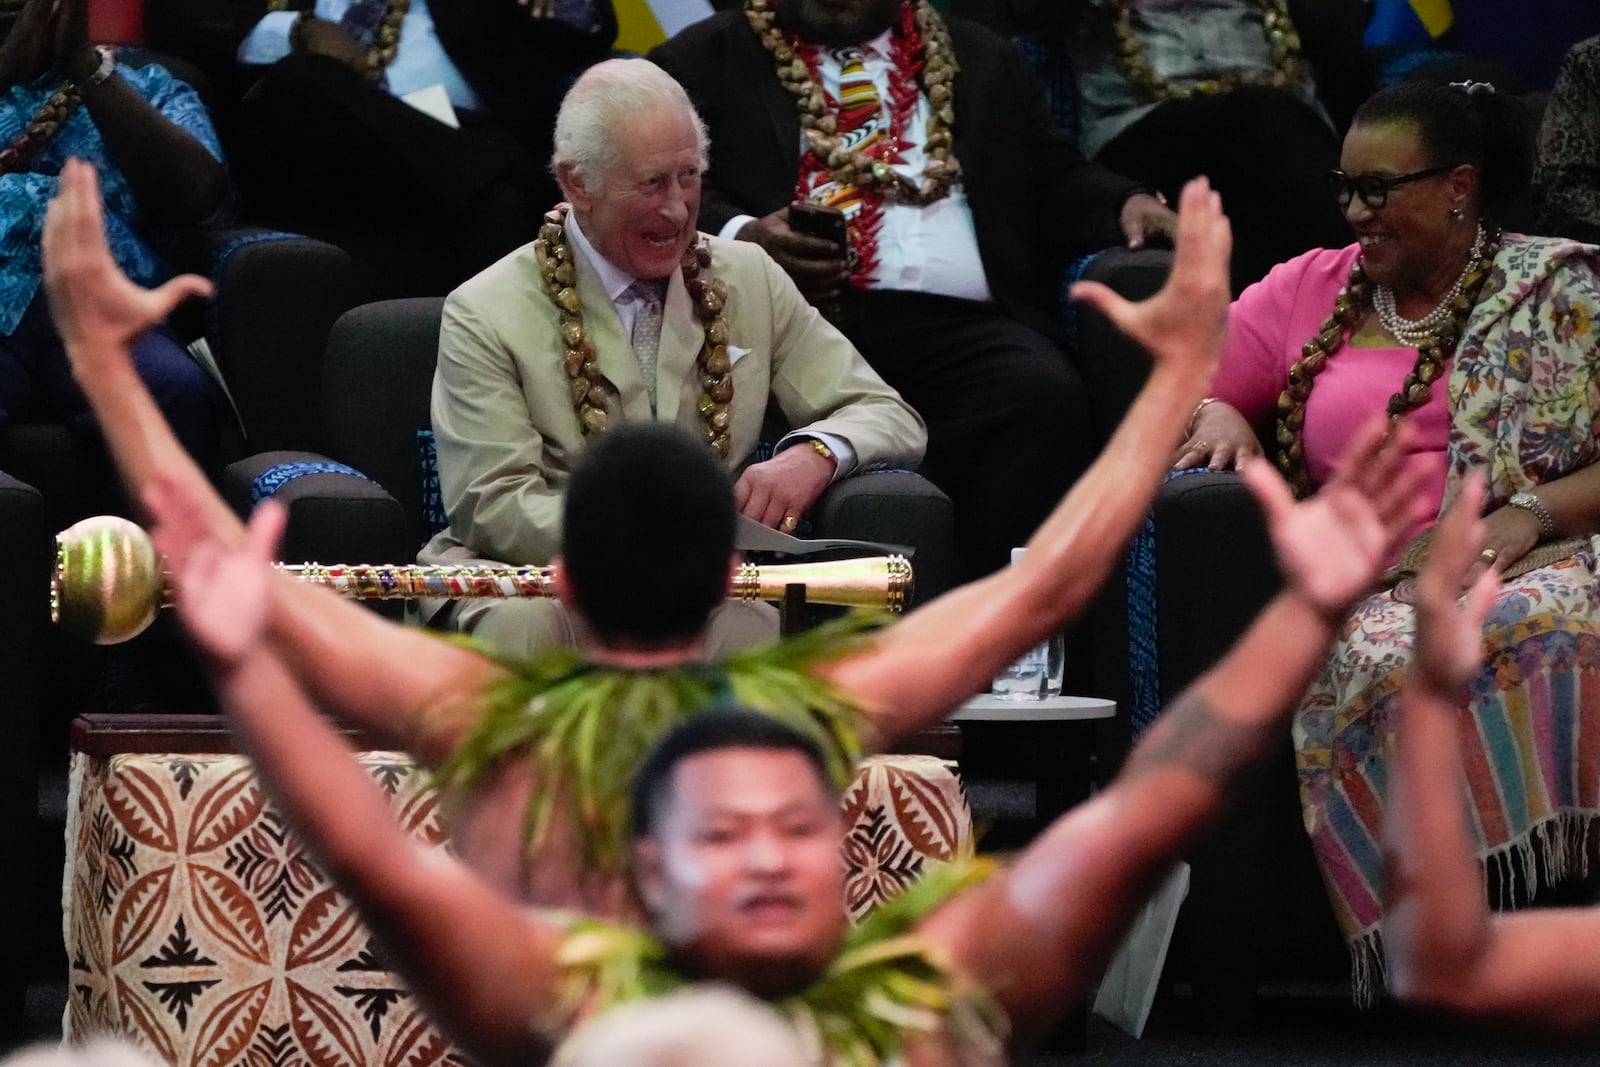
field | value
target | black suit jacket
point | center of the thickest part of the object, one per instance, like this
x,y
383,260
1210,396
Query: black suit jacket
x,y
1035,202
520,67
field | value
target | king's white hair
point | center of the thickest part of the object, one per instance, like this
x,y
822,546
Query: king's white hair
x,y
600,102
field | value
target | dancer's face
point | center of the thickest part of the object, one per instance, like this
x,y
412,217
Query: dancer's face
x,y
642,213
741,874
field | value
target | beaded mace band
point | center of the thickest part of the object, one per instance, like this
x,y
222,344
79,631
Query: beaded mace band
x,y
108,581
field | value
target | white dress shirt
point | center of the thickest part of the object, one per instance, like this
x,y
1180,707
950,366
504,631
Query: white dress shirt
x,y
419,62
618,286
931,249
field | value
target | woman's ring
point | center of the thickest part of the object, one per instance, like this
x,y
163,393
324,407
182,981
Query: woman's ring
x,y
789,523
1489,555
1203,447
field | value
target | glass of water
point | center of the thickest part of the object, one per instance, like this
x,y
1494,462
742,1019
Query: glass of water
x,y
1035,675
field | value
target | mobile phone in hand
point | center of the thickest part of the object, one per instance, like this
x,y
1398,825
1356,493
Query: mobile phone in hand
x,y
818,220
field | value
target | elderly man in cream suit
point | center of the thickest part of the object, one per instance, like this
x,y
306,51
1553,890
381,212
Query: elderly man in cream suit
x,y
512,397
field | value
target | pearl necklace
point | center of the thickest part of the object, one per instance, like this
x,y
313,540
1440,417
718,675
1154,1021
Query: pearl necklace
x,y
1413,332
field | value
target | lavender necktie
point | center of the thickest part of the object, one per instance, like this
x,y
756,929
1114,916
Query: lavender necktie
x,y
647,330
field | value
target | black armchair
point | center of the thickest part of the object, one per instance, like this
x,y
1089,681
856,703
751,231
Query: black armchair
x,y
1191,583
25,547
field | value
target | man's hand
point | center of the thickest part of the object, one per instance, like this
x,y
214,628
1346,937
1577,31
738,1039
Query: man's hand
x,y
1144,216
818,267
1450,627
331,40
1184,325
1332,546
778,492
98,312
223,594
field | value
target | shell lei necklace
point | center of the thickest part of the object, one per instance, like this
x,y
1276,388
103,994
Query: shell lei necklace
x,y
820,125
1283,43
1348,308
1413,332
385,40
46,123
590,390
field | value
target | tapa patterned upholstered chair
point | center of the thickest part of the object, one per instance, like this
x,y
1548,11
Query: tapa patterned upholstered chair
x,y
198,926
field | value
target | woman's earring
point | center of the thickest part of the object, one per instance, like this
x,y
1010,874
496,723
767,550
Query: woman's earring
x,y
1455,213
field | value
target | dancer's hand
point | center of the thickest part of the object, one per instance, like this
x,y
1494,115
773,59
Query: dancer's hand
x,y
1333,545
223,594
1450,626
1185,325
98,312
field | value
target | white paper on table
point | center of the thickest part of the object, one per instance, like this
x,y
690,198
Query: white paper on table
x,y
1129,987
435,103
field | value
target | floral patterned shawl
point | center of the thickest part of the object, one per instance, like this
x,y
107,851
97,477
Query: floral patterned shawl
x,y
1524,393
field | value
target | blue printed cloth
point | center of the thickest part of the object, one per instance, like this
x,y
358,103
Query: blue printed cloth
x,y
24,196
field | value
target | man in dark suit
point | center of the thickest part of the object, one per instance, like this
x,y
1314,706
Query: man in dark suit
x,y
331,103
949,276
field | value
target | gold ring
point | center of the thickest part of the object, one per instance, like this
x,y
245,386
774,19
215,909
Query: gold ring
x,y
1201,446
789,522
1489,555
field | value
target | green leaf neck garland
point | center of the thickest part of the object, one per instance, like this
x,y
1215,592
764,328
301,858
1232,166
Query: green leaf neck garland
x,y
885,983
586,727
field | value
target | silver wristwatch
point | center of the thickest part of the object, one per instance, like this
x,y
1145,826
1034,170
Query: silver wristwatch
x,y
107,67
1533,505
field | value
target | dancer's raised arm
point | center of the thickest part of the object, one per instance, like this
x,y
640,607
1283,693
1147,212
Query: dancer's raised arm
x,y
370,672
1444,946
952,647
1041,933
484,965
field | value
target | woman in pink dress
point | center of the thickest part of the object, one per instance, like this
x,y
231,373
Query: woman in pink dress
x,y
1490,343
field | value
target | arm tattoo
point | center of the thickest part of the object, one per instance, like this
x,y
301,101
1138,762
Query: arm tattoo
x,y
1193,737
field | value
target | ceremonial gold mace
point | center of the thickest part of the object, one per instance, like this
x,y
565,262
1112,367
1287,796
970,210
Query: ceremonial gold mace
x,y
109,583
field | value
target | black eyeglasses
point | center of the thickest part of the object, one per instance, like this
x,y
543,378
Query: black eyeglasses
x,y
1374,189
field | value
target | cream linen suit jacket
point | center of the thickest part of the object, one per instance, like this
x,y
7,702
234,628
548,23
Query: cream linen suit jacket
x,y
508,438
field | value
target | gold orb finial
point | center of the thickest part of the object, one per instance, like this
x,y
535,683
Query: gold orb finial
x,y
108,584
